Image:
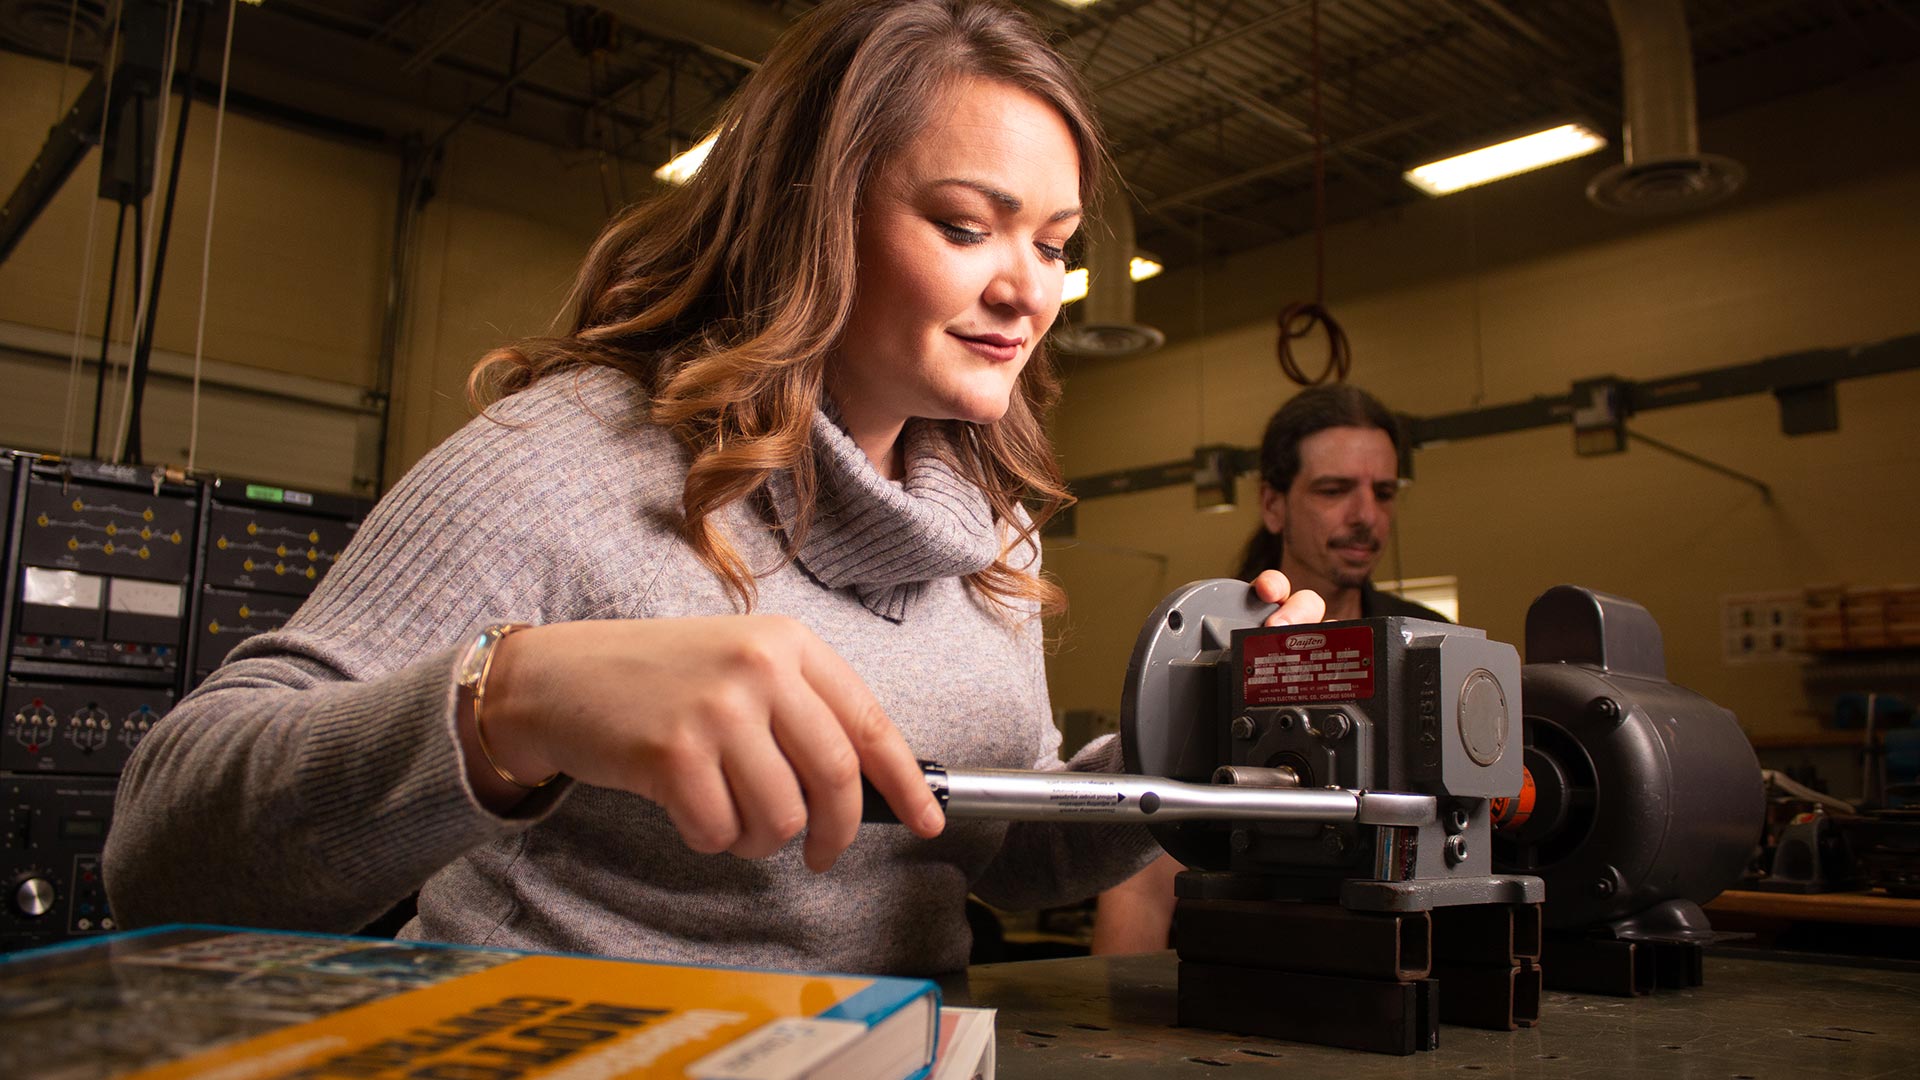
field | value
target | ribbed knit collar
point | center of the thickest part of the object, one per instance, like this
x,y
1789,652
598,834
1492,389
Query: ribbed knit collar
x,y
886,540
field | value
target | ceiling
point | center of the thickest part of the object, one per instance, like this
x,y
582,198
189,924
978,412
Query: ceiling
x,y
1209,104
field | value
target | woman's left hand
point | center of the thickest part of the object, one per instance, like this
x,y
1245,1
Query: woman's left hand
x,y
1305,606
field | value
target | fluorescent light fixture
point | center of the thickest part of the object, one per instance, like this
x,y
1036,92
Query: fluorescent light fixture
x,y
1140,269
686,162
1501,160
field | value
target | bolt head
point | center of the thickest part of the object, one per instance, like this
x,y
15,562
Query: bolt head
x,y
1602,887
1243,727
1240,840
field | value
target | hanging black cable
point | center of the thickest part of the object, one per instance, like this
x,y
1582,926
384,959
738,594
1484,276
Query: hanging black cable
x,y
1299,319
143,350
106,329
139,272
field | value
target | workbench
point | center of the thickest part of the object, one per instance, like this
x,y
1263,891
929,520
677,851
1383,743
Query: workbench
x,y
1865,923
1755,1019
1864,907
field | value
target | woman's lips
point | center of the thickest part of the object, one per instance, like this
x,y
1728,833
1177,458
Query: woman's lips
x,y
995,347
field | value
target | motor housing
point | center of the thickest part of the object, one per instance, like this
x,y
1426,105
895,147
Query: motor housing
x,y
1639,793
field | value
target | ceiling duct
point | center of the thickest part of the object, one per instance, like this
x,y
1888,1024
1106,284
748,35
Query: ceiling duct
x,y
1105,327
1664,171
41,27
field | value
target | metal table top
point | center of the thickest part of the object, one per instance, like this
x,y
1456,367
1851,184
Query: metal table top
x,y
1755,1019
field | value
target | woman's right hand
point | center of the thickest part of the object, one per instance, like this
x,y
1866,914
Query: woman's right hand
x,y
746,729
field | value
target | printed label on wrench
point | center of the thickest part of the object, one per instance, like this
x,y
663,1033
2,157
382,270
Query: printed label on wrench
x,y
1082,797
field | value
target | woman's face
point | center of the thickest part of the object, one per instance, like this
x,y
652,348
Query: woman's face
x,y
961,264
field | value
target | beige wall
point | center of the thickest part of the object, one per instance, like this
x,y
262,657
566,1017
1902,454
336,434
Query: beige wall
x,y
297,251
497,254
300,259
1518,290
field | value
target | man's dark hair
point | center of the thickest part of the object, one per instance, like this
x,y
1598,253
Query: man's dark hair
x,y
1309,412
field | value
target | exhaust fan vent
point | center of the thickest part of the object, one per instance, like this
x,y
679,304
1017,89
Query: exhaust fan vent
x,y
1664,171
1108,340
40,27
1106,328
1667,185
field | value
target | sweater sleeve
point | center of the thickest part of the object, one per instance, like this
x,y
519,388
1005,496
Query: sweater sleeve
x,y
316,779
1045,864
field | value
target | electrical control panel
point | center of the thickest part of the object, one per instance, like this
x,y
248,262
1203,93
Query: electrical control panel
x,y
87,729
123,588
105,556
266,549
56,827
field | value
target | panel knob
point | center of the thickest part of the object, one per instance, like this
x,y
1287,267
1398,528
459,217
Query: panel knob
x,y
34,897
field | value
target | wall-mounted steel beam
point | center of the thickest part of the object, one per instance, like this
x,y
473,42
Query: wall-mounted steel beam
x,y
76,133
1786,377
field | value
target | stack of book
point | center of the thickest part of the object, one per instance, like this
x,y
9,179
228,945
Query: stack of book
x,y
214,1003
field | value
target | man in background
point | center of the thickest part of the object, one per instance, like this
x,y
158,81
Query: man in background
x,y
1329,477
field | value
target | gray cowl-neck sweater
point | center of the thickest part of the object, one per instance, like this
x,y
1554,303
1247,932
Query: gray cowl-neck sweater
x,y
315,779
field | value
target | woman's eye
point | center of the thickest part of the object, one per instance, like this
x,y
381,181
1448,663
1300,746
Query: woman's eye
x,y
960,234
1052,252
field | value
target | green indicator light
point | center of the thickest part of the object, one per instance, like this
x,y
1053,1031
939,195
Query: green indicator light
x,y
266,494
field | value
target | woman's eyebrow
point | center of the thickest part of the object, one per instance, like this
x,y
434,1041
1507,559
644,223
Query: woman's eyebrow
x,y
1006,200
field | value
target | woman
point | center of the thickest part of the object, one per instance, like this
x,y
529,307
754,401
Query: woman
x,y
759,513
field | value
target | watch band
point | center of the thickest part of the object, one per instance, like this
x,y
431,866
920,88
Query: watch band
x,y
475,665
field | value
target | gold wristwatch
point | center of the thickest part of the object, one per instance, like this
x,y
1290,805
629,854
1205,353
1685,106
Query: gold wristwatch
x,y
471,678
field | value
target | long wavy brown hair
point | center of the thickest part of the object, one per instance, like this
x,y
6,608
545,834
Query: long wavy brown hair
x,y
726,297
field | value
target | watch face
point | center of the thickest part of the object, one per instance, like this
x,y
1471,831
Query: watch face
x,y
473,663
